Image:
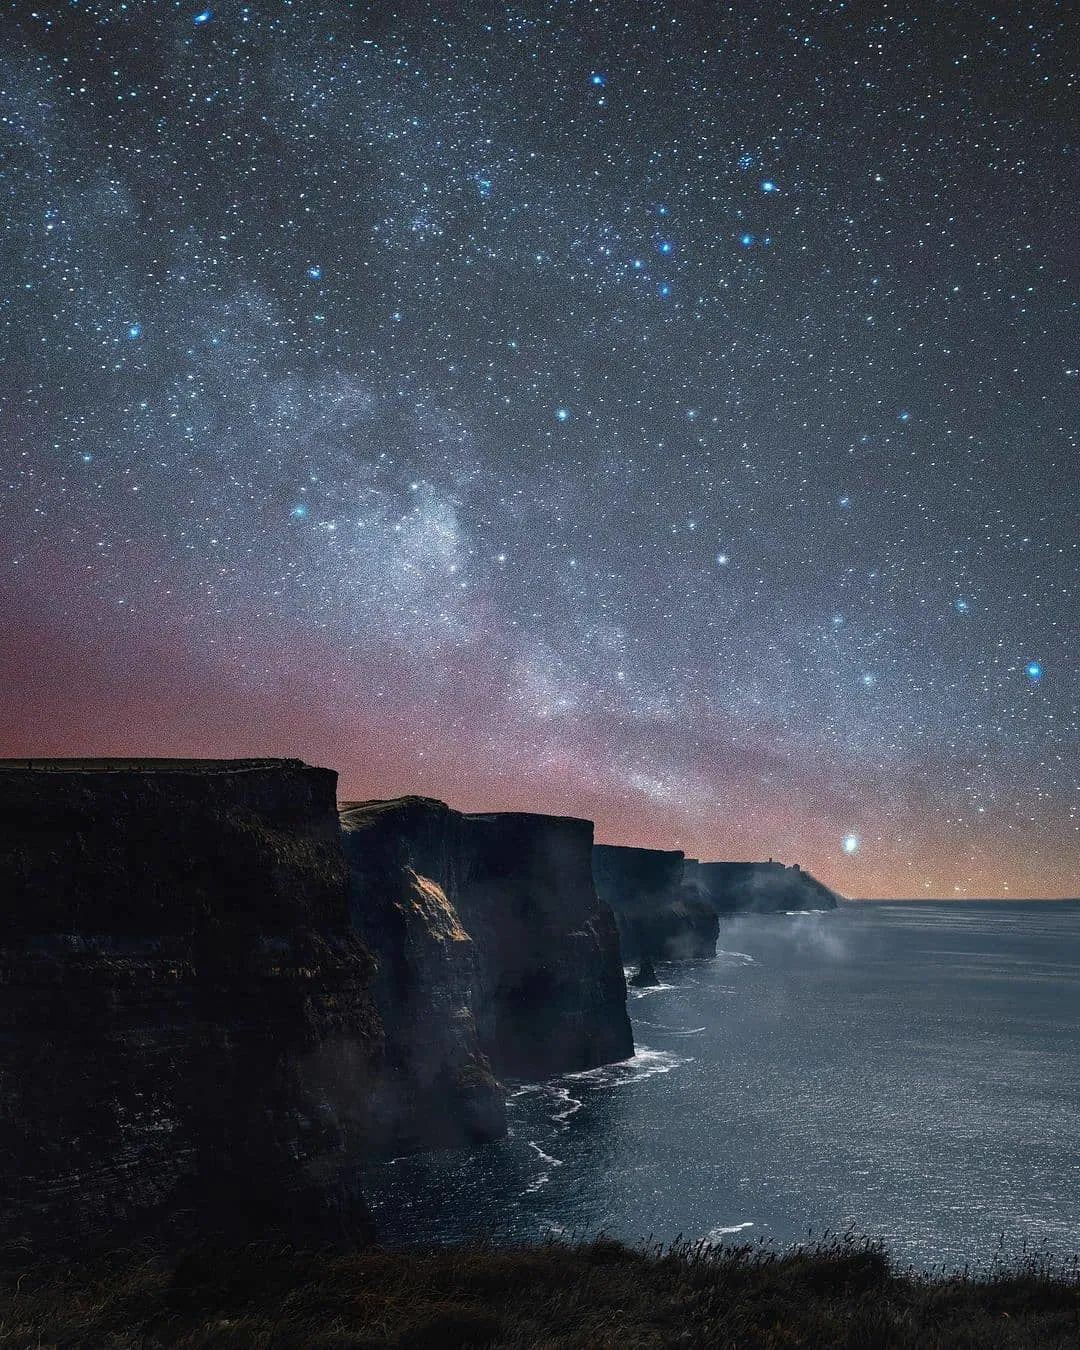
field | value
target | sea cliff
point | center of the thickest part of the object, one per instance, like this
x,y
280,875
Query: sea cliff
x,y
189,1037
659,917
493,948
757,887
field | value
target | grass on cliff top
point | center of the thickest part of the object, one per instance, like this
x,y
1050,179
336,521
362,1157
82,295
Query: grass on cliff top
x,y
593,1295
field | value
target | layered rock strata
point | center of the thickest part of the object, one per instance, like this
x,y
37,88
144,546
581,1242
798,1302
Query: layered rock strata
x,y
658,916
524,972
189,1041
757,887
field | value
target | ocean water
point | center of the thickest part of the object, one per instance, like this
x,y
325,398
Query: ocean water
x,y
911,1071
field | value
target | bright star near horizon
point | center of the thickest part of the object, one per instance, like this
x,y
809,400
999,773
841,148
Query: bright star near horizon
x,y
851,843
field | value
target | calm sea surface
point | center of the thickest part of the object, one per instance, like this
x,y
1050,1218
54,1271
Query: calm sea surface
x,y
912,1070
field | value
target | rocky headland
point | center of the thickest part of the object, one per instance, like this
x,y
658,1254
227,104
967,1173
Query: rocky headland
x,y
189,1037
219,1000
494,954
757,887
659,916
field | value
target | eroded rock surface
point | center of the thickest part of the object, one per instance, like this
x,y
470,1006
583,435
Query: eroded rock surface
x,y
657,914
543,979
188,1035
758,887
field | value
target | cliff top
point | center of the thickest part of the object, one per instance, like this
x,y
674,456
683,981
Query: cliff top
x,y
149,764
356,813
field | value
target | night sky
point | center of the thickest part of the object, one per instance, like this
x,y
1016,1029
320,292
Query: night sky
x,y
660,413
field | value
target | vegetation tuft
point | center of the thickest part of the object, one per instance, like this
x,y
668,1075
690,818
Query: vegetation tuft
x,y
592,1295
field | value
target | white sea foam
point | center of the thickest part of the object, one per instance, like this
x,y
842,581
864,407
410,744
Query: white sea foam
x,y
644,1063
554,1162
671,1031
744,957
568,1103
718,1234
649,989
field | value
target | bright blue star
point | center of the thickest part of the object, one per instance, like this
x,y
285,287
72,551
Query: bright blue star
x,y
664,289
314,273
962,605
638,264
562,414
1034,671
86,458
666,246
844,503
134,331
299,511
869,680
769,186
661,210
851,843
838,620
746,240
904,416
598,78
203,16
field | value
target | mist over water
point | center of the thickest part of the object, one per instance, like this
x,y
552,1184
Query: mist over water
x,y
911,1070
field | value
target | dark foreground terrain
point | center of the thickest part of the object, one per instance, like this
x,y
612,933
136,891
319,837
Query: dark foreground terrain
x,y
596,1294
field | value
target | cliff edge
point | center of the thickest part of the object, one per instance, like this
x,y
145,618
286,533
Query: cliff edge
x,y
758,887
189,1040
509,958
659,917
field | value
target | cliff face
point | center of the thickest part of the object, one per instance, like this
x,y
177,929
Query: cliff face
x,y
658,916
534,954
405,861
763,887
188,1033
552,990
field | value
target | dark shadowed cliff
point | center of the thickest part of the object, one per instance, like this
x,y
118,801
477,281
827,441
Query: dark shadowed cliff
x,y
406,859
543,966
188,1033
658,916
757,887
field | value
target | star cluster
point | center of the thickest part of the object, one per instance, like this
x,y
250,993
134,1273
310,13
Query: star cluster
x,y
660,413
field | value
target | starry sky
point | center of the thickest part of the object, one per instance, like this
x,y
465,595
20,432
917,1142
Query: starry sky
x,y
660,413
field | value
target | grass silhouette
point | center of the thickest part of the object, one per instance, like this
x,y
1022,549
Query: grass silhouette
x,y
594,1295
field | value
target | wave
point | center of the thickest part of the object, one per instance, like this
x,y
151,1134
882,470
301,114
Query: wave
x,y
644,1063
718,1234
649,989
671,1031
555,1162
744,957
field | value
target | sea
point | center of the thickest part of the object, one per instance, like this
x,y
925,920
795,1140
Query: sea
x,y
908,1072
